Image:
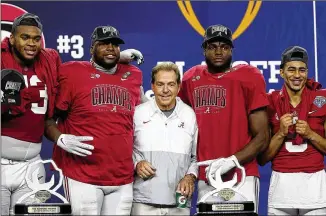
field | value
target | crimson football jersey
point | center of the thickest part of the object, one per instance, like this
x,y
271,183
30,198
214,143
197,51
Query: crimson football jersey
x,y
304,157
222,103
100,105
30,125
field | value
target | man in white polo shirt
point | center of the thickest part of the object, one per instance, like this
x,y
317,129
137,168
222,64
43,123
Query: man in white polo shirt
x,y
165,147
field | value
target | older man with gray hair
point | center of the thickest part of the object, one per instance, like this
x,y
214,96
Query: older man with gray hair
x,y
165,147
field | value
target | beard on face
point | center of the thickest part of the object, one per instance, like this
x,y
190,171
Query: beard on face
x,y
100,61
27,62
218,69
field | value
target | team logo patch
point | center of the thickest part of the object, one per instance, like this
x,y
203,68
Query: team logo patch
x,y
8,15
94,76
320,101
125,76
194,78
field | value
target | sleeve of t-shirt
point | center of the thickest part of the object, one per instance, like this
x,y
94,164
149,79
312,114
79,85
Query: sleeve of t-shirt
x,y
256,94
65,90
184,91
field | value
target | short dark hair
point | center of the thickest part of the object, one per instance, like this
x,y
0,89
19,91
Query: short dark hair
x,y
167,66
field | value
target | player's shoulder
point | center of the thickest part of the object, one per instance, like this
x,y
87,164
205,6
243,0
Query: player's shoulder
x,y
51,51
247,69
76,64
194,71
248,73
71,68
129,67
321,92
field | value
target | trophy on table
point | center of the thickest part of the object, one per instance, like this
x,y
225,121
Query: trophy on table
x,y
35,202
225,198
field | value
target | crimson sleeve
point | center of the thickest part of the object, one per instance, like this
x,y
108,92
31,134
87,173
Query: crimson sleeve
x,y
65,90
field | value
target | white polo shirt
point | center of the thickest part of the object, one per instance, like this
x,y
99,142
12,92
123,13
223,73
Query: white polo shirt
x,y
169,144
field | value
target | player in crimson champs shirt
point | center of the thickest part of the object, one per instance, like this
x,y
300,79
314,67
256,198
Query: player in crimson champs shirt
x,y
22,126
297,115
94,136
230,106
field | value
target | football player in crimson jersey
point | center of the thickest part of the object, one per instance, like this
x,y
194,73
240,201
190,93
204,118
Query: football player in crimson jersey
x,y
22,126
96,102
230,106
297,116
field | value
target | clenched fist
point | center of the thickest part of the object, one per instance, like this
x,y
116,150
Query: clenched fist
x,y
303,128
285,121
145,170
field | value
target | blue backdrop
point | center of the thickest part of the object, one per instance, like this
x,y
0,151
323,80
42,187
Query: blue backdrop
x,y
172,31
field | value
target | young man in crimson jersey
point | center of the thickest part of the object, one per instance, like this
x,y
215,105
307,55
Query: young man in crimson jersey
x,y
22,126
230,106
96,101
297,116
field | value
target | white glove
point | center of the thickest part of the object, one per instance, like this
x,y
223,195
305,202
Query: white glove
x,y
73,144
129,55
225,166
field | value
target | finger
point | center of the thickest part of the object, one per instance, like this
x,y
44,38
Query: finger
x,y
85,146
186,189
77,153
82,151
149,169
192,189
182,188
142,174
146,172
84,138
204,163
301,121
287,115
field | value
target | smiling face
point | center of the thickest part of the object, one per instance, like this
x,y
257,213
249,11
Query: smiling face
x,y
166,89
26,43
106,53
295,74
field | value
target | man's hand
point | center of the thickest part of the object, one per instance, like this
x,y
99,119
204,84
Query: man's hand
x,y
303,128
285,121
74,144
145,169
187,185
130,55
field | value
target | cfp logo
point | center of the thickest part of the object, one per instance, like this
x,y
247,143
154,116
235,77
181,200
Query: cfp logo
x,y
39,189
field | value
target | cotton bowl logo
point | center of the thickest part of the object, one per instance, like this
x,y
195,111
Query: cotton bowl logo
x,y
251,12
8,15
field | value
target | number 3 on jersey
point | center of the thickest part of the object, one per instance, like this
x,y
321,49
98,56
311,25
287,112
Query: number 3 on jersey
x,y
295,148
43,94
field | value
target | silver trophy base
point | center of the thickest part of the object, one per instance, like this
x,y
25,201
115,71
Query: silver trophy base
x,y
226,208
43,209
